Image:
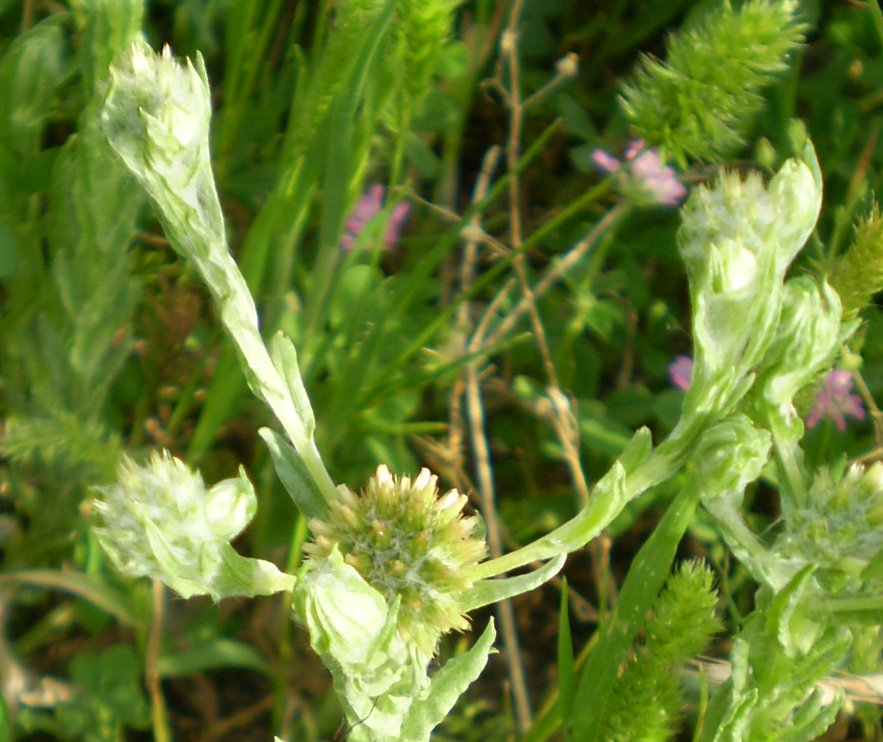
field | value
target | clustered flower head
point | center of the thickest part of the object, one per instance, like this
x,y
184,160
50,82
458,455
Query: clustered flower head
x,y
366,208
156,116
835,401
643,178
408,543
159,521
160,515
737,238
840,527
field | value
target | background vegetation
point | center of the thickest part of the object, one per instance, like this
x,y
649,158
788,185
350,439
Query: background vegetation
x,y
510,336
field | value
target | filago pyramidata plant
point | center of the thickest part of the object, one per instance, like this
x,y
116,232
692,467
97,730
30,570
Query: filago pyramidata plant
x,y
393,568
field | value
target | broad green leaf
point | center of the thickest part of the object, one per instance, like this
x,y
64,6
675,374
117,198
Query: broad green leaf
x,y
88,587
215,653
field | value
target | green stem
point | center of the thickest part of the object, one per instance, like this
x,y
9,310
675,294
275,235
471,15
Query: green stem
x,y
790,469
864,603
186,397
789,461
398,158
298,539
763,566
239,317
662,464
573,207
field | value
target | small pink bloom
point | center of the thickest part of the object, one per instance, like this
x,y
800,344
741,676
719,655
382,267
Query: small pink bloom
x,y
660,182
681,372
835,400
397,219
635,146
645,179
605,161
366,208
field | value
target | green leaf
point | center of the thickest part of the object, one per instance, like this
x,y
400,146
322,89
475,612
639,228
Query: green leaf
x,y
342,158
566,673
610,496
108,28
112,679
447,686
5,724
30,73
294,475
284,356
486,592
87,587
215,653
9,250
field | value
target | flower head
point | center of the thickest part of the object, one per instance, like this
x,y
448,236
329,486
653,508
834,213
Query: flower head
x,y
156,116
737,238
729,456
644,178
835,400
410,545
159,521
838,529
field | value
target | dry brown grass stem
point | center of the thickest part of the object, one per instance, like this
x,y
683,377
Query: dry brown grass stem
x,y
507,82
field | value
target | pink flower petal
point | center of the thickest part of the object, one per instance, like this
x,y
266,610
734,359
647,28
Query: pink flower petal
x,y
397,219
606,161
681,372
835,401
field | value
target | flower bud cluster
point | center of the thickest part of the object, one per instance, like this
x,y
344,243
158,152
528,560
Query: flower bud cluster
x,y
159,521
737,239
840,527
730,456
808,336
156,116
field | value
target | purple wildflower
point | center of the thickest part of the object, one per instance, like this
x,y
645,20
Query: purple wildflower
x,y
835,400
646,180
366,208
681,372
397,219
